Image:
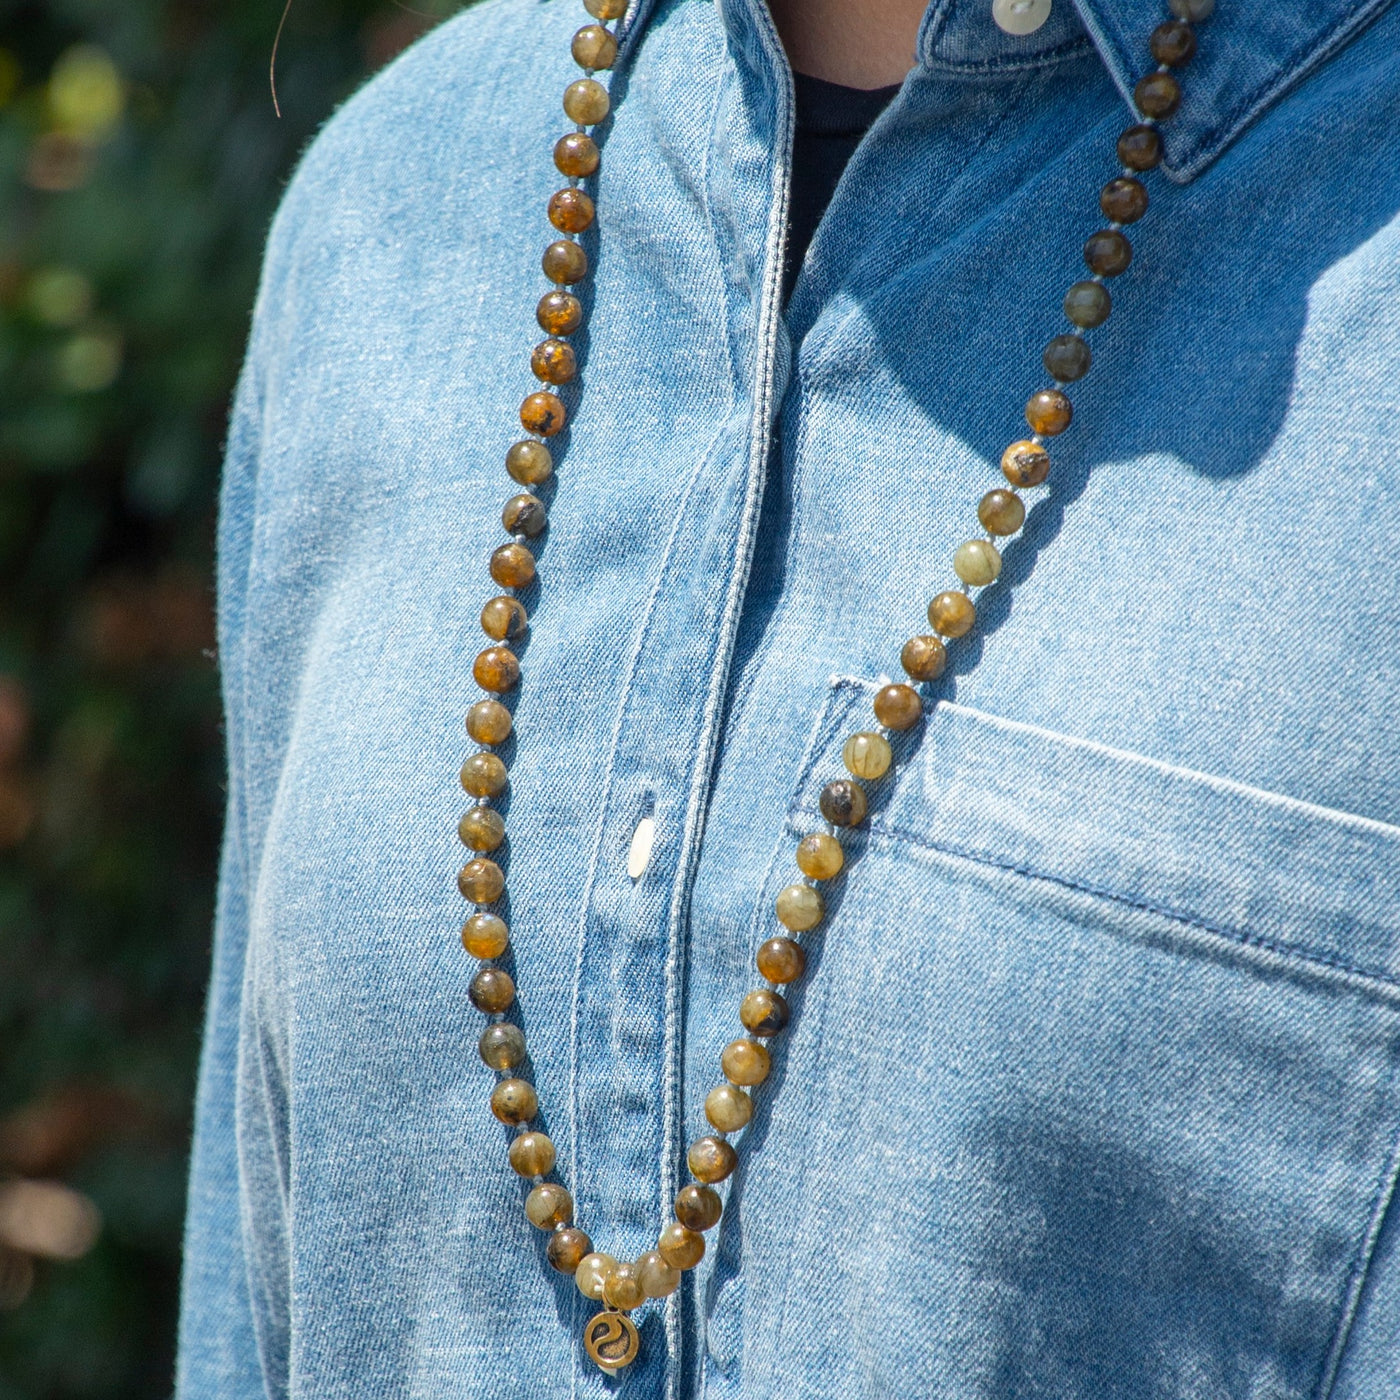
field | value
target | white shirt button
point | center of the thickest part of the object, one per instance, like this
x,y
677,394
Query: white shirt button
x,y
1020,16
639,853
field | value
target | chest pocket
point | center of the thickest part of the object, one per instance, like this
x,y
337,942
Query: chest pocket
x,y
1091,1088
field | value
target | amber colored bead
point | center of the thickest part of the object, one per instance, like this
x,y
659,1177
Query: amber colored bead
x,y
728,1108
482,881
548,1206
1087,304
1049,412
492,990
977,563
559,313
843,803
513,1101
1067,358
952,614
488,721
622,1289
530,462
764,1013
820,856
512,566
744,1062
591,1273
898,706
1108,253
485,936
576,155
543,413
606,9
567,1249
867,755
923,658
699,1207
586,101
1123,199
711,1159
800,907
553,361
593,47
524,515
1192,10
1140,148
680,1247
659,1279
483,775
781,960
564,261
503,617
531,1154
502,1047
570,210
1022,464
481,829
1157,95
1001,512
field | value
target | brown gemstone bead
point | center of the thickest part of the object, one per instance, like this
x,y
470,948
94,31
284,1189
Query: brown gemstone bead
x,y
680,1247
592,1274
485,936
1140,148
699,1207
586,102
1001,512
898,706
711,1159
1022,464
1124,200
513,1101
1108,253
763,1012
1067,358
867,755
1087,304
923,658
524,515
483,775
1157,95
543,413
952,614
481,829
529,462
548,1206
781,960
593,47
606,9
728,1108
512,566
553,361
800,907
745,1063
820,856
1193,10
504,617
488,721
570,210
575,154
491,990
567,1248
659,1279
977,563
1173,43
843,803
496,669
559,313
531,1154
564,261
482,881
502,1047
1049,412
622,1289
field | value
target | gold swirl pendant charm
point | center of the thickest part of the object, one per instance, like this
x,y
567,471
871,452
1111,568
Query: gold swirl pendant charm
x,y
611,1340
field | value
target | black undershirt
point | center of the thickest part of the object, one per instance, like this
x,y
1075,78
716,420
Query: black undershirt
x,y
830,121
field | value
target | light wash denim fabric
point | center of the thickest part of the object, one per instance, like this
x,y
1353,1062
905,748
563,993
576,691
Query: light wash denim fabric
x,y
1093,1086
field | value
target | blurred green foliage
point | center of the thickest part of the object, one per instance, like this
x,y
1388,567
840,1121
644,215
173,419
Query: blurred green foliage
x,y
140,161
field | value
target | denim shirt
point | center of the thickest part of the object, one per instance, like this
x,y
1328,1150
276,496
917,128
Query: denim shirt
x,y
1092,1087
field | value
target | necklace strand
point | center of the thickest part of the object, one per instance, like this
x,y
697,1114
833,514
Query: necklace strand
x,y
610,1336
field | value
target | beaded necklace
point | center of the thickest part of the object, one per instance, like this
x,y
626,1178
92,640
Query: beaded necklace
x,y
610,1336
